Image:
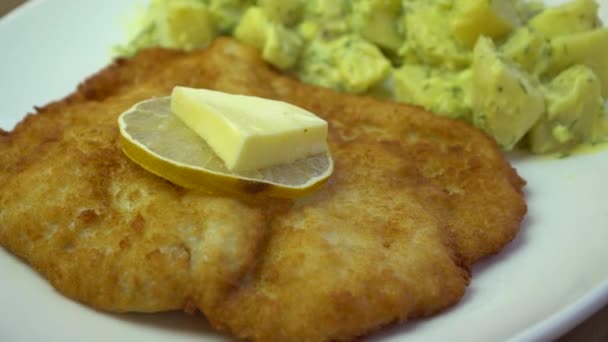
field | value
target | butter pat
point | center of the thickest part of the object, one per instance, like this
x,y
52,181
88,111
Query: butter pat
x,y
248,132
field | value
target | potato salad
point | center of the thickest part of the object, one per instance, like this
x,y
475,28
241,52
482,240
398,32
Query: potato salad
x,y
531,76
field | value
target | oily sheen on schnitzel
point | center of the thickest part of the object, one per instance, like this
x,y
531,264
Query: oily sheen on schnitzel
x,y
414,200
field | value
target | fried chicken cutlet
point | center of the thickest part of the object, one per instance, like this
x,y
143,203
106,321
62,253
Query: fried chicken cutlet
x,y
414,200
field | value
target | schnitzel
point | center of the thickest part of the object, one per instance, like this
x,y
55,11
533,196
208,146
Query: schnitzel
x,y
414,200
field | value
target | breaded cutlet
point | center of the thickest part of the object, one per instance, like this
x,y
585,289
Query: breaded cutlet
x,y
414,200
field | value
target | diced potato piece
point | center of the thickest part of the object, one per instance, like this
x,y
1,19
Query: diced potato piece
x,y
506,102
350,64
227,13
185,24
575,112
252,28
361,64
571,17
407,81
529,49
491,18
588,48
442,92
308,30
282,46
376,21
286,12
527,9
331,16
429,39
279,46
317,66
327,8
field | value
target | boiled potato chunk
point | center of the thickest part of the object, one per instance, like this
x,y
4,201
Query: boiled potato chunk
x,y
529,49
588,48
527,9
349,64
279,46
429,39
376,21
282,46
442,92
506,101
185,24
491,18
287,12
308,30
575,112
360,63
317,66
252,28
226,13
571,17
327,8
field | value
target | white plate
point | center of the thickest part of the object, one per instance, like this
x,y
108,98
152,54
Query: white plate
x,y
554,275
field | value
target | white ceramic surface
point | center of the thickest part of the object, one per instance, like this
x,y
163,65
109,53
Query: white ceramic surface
x,y
552,276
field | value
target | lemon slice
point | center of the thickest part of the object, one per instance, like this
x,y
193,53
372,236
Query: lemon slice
x,y
161,143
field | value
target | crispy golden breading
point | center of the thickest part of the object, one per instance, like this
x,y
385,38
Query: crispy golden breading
x,y
414,200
